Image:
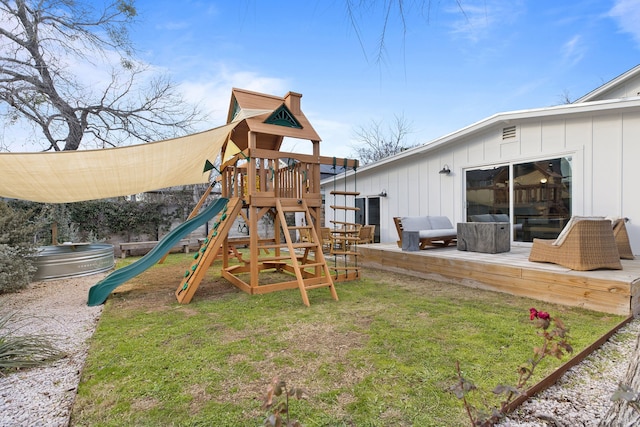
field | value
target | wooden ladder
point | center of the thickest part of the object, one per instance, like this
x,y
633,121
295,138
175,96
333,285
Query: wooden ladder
x,y
208,251
320,277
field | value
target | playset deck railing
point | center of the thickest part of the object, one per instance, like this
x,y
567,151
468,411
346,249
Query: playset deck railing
x,y
275,174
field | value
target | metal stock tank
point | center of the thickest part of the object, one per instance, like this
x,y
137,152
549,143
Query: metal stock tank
x,y
73,259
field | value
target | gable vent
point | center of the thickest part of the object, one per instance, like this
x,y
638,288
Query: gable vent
x,y
509,132
283,117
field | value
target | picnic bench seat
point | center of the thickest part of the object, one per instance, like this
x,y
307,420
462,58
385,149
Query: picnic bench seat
x,y
127,247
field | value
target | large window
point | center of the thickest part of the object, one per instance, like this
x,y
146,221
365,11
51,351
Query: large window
x,y
534,196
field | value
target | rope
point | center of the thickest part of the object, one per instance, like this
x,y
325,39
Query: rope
x,y
355,212
335,225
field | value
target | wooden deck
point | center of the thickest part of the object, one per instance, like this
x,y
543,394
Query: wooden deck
x,y
609,291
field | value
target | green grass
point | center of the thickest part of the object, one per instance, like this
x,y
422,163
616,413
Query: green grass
x,y
383,355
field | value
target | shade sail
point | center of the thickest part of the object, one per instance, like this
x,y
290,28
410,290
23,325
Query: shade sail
x,y
72,176
232,150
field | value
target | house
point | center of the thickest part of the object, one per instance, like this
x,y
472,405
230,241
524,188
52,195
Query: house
x,y
540,166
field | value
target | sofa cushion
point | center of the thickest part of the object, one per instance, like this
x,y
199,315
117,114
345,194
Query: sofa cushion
x,y
415,223
430,234
440,223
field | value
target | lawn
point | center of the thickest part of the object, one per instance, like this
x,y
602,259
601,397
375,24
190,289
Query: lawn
x,y
383,355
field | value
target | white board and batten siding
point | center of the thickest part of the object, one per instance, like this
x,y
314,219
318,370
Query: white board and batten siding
x,y
602,137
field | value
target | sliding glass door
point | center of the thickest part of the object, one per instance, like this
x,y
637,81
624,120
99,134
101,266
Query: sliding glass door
x,y
487,192
541,198
534,196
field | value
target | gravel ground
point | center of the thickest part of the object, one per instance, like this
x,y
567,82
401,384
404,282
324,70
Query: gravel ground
x,y
582,396
44,396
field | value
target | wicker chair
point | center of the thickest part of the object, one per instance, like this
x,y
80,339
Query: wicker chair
x,y
585,244
622,238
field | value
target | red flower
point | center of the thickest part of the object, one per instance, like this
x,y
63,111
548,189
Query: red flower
x,y
543,315
533,313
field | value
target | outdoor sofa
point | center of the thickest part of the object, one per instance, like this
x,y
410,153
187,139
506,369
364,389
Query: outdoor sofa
x,y
432,230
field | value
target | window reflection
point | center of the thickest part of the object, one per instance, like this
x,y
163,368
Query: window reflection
x,y
541,198
487,192
541,194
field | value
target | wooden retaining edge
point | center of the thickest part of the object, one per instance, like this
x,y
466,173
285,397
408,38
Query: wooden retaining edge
x,y
555,375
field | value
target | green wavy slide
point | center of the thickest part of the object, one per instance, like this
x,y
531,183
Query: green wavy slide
x,y
99,292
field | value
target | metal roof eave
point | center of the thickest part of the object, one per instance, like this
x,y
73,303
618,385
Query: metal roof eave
x,y
504,118
611,83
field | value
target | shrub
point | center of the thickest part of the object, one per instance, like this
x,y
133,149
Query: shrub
x,y
16,248
130,218
15,272
97,220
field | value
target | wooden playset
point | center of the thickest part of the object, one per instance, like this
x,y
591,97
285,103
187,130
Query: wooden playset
x,y
260,180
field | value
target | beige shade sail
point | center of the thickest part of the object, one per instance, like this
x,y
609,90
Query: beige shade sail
x,y
232,150
72,176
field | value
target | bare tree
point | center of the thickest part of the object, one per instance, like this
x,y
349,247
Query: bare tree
x,y
565,97
377,142
390,10
68,70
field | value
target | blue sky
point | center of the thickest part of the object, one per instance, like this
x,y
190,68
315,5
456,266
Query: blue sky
x,y
450,68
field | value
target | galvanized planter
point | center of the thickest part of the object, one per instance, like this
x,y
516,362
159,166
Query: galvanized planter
x,y
73,259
